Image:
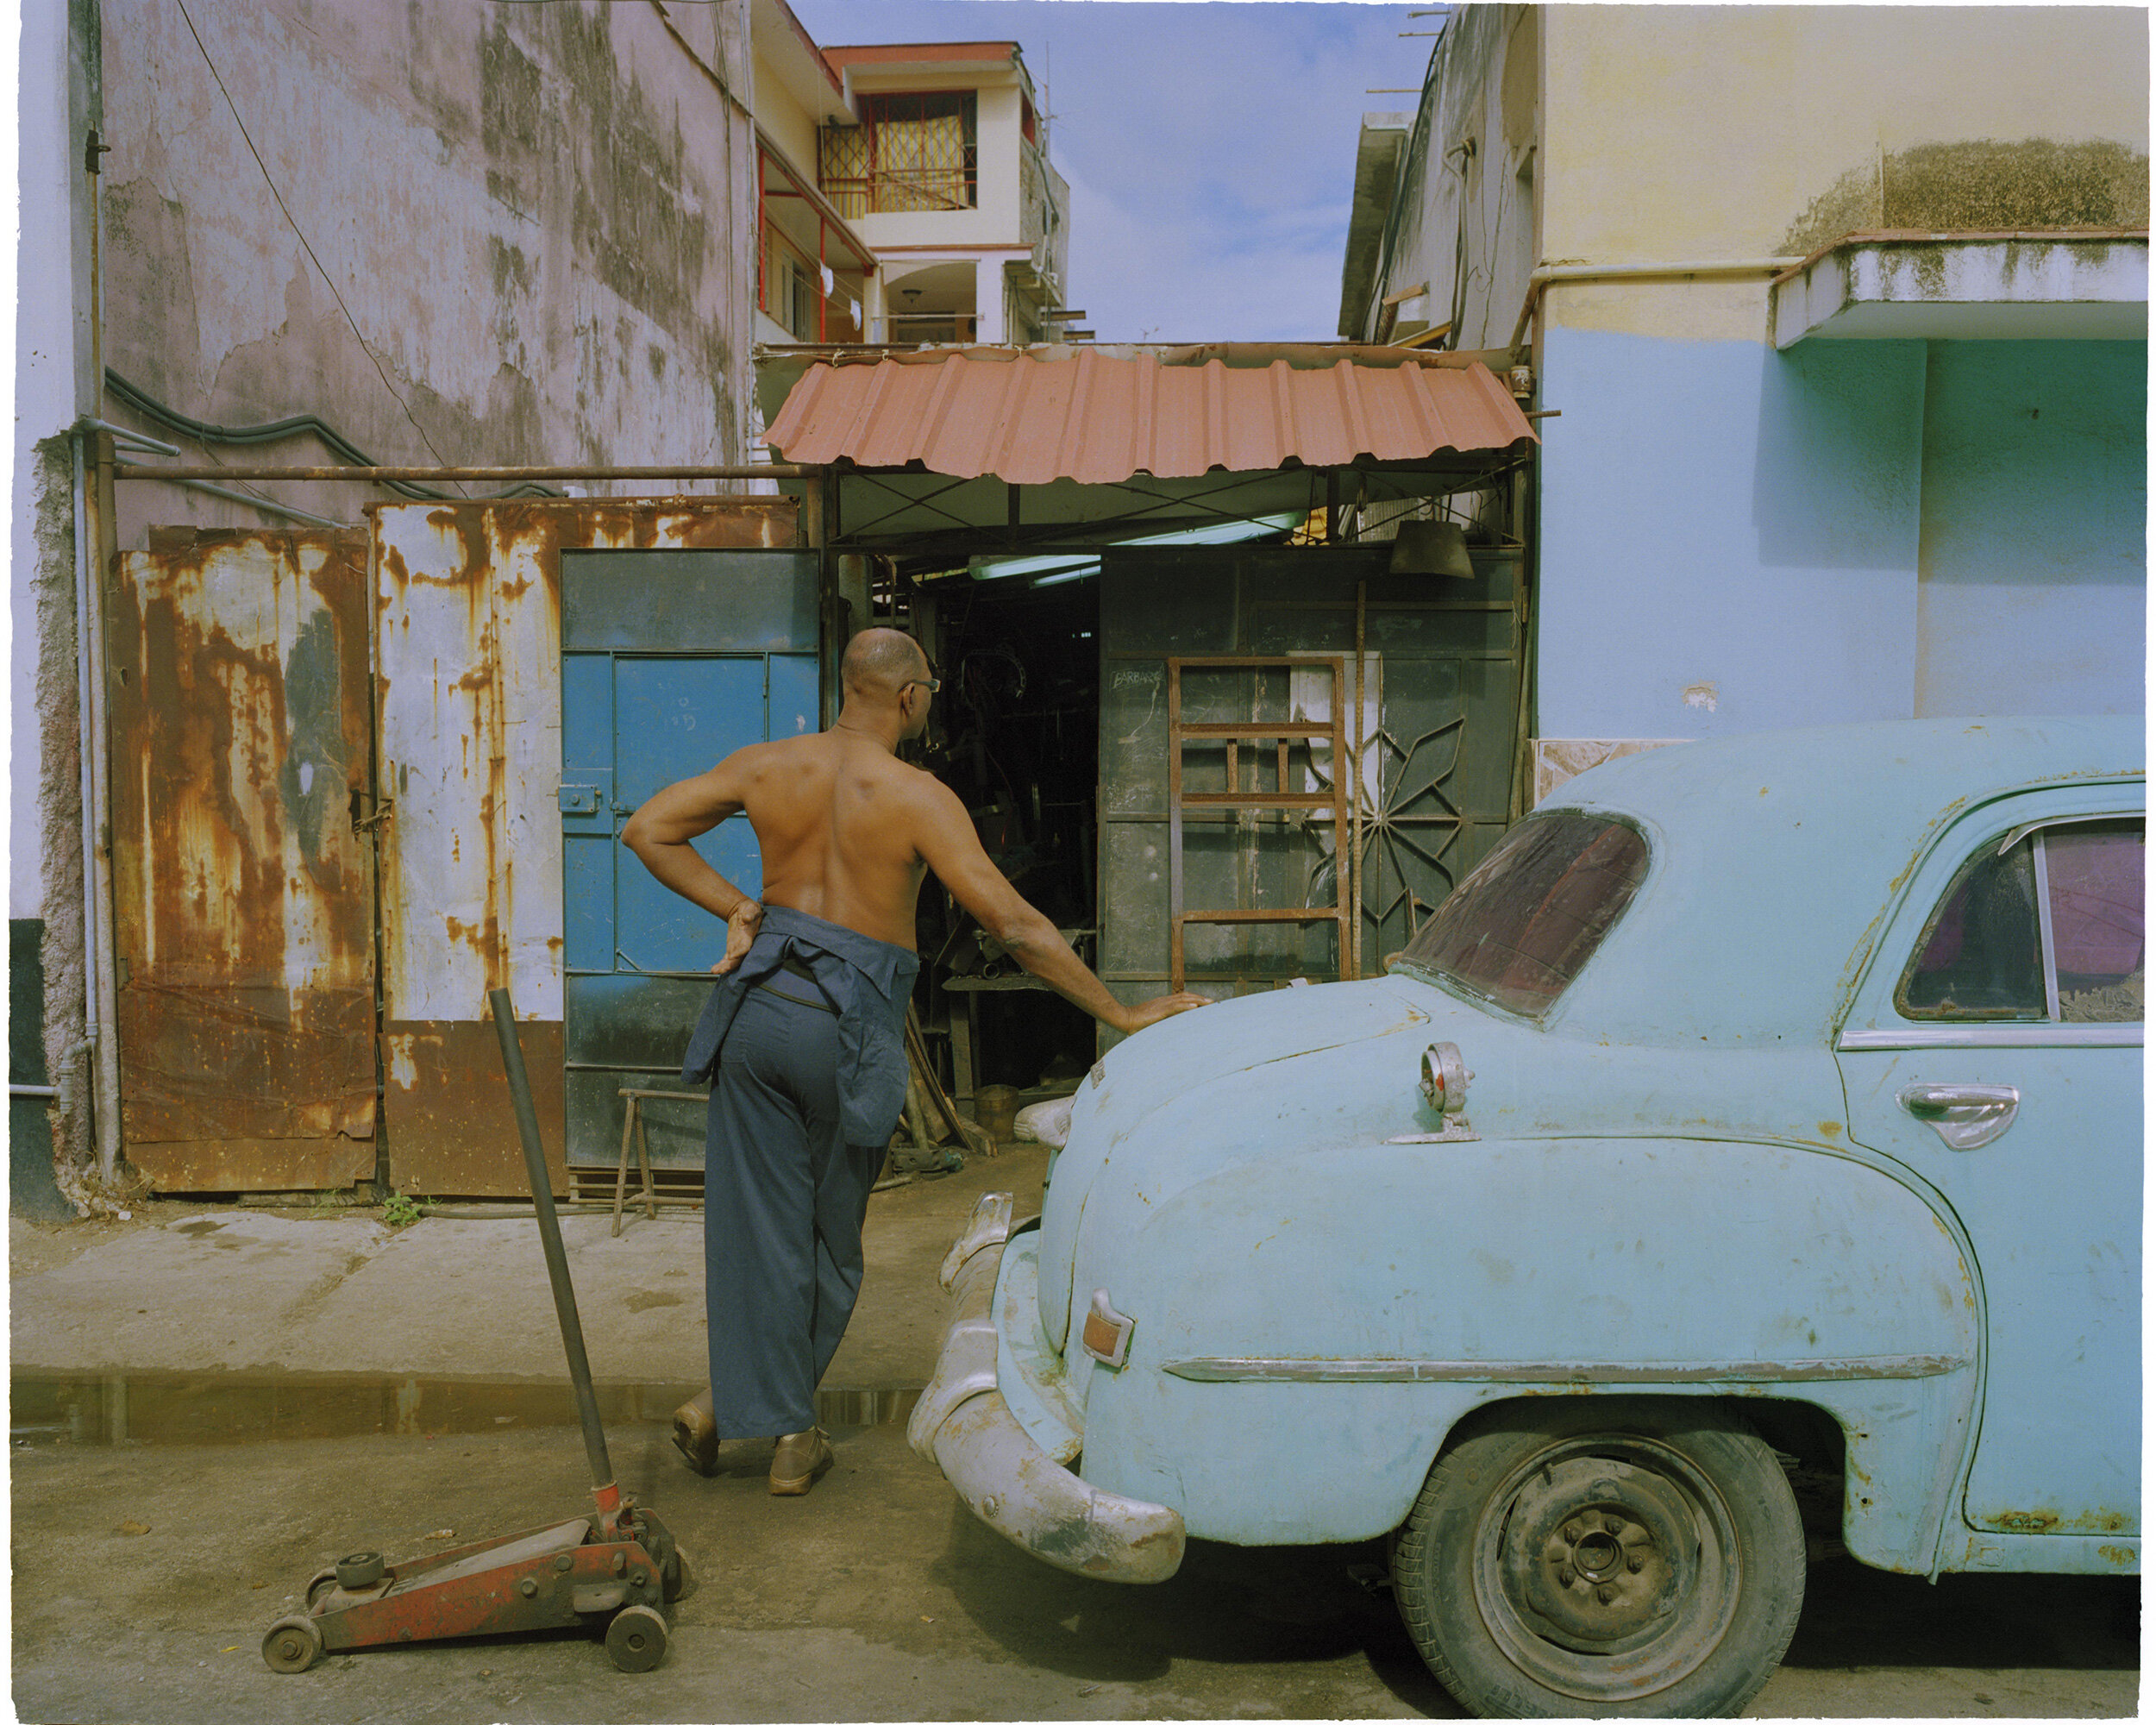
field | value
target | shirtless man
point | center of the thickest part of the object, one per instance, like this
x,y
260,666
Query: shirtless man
x,y
811,1015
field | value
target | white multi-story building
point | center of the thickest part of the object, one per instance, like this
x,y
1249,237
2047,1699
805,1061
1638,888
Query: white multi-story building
x,y
906,196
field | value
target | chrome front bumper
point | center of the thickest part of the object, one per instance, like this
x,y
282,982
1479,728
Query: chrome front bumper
x,y
962,1424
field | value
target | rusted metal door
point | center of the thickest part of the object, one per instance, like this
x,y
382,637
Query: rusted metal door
x,y
469,665
243,891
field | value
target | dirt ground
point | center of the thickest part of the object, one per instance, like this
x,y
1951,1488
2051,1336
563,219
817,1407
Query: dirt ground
x,y
205,1416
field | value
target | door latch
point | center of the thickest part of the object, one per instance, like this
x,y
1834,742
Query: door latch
x,y
1965,1116
578,798
381,809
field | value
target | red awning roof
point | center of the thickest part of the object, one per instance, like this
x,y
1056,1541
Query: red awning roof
x,y
1098,418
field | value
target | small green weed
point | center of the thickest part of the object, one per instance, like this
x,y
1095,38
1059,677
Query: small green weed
x,y
401,1210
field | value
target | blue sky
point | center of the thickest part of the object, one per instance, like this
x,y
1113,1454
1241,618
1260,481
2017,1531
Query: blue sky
x,y
1210,146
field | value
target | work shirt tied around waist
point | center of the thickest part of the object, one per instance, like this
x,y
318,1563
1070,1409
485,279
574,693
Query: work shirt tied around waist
x,y
865,981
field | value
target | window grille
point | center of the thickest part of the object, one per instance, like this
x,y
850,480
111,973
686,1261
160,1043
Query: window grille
x,y
912,151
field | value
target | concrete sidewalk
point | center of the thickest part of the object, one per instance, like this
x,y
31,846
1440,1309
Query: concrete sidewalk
x,y
184,1288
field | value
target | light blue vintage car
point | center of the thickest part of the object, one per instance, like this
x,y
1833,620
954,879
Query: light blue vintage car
x,y
1759,1109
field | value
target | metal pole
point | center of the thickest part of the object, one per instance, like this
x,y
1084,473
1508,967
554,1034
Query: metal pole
x,y
602,1486
1355,842
1539,279
87,731
751,470
94,451
267,507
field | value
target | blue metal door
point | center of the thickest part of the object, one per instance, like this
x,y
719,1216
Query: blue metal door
x,y
670,660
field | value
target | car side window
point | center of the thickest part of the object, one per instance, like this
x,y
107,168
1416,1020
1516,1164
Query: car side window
x,y
2045,925
2097,939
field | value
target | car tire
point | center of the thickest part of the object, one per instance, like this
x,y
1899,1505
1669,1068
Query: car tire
x,y
1602,1555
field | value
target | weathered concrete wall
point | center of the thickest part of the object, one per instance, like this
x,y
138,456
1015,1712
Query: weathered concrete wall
x,y
1466,227
528,230
53,838
1706,132
59,105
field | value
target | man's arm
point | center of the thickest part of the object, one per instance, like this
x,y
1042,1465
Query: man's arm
x,y
950,847
659,833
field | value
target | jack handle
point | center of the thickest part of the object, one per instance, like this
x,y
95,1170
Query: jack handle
x,y
603,1487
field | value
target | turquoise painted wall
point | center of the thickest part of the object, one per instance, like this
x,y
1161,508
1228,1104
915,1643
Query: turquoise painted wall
x,y
2033,587
1729,535
1735,539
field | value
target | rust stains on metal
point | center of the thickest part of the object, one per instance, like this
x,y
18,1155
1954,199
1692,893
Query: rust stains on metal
x,y
449,1122
1100,418
2050,1521
251,1164
244,922
468,682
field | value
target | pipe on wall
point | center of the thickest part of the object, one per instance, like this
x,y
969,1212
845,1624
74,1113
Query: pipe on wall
x,y
101,994
1546,273
121,435
135,442
266,506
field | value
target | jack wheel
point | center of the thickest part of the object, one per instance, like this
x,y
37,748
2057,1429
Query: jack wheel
x,y
322,1583
292,1644
637,1638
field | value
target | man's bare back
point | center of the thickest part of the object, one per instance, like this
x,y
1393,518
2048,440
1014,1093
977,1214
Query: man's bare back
x,y
837,818
846,830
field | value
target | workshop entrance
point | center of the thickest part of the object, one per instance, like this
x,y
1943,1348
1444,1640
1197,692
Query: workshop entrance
x,y
1233,642
1160,751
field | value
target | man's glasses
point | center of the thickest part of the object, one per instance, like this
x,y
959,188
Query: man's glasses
x,y
933,685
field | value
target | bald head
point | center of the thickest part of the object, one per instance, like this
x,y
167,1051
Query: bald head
x,y
879,663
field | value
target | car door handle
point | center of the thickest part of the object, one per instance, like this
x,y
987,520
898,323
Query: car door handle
x,y
1965,1116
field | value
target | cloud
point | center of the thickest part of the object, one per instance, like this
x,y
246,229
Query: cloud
x,y
1199,277
1210,149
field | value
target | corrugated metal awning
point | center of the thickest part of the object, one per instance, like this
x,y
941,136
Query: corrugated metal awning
x,y
1100,416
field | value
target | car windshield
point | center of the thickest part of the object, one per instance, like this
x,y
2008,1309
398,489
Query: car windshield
x,y
1520,927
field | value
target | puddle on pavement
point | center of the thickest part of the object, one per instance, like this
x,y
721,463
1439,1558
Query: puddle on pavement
x,y
240,1407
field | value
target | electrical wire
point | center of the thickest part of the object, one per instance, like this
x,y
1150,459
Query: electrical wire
x,y
305,243
203,432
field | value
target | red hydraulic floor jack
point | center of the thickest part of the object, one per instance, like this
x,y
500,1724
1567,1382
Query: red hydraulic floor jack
x,y
619,1567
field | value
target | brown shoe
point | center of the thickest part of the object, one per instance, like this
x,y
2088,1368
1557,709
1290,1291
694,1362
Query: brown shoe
x,y
696,1434
801,1459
